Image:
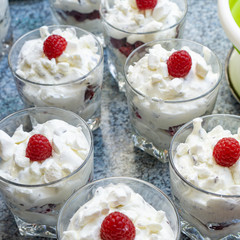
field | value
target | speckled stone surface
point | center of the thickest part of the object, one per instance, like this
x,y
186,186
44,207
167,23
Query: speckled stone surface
x,y
114,151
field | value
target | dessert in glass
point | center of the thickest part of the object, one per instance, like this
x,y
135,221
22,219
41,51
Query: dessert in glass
x,y
204,174
83,14
131,23
60,66
5,20
145,211
46,154
168,83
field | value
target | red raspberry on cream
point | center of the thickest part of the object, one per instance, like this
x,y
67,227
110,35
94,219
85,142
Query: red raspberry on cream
x,y
146,4
54,46
117,226
38,148
179,64
226,152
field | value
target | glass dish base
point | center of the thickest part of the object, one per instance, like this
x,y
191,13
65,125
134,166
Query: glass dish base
x,y
117,75
148,147
194,234
94,123
34,230
191,232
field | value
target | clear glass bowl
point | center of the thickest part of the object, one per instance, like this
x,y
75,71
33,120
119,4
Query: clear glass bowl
x,y
155,121
35,213
205,215
5,31
117,39
75,13
149,192
82,96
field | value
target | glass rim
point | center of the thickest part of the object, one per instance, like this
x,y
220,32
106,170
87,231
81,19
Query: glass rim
x,y
171,161
75,195
142,33
80,79
28,110
152,43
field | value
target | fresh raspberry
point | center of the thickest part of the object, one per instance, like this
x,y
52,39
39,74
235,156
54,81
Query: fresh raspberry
x,y
117,226
54,46
38,148
146,4
226,152
179,64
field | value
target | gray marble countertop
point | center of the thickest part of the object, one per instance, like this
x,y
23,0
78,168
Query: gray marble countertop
x,y
115,154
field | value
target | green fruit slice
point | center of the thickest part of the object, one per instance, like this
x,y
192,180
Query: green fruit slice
x,y
235,9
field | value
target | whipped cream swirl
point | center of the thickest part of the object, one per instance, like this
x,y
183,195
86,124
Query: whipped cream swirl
x,y
194,160
78,59
149,223
150,76
70,149
126,16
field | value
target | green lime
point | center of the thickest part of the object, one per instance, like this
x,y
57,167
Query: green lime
x,y
235,9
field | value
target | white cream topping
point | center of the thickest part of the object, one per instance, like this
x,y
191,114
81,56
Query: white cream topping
x,y
82,6
78,59
194,160
150,224
70,149
126,16
150,76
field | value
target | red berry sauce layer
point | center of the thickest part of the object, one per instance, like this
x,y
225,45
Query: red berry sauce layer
x,y
80,17
123,46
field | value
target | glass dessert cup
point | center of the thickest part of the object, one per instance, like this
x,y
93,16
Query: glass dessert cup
x,y
154,121
73,13
35,213
149,192
82,95
120,43
204,215
5,33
